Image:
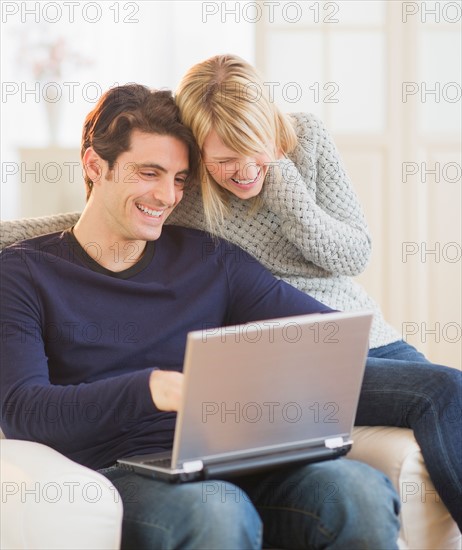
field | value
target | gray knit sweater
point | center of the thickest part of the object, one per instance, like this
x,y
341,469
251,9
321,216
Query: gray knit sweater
x,y
309,231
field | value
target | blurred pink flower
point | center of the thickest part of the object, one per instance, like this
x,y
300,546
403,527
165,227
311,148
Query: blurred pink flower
x,y
49,59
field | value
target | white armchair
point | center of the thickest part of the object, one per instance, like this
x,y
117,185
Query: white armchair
x,y
425,522
48,501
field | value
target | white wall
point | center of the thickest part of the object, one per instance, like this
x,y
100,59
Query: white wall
x,y
388,75
350,60
149,42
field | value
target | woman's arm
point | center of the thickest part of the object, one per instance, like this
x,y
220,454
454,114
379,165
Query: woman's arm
x,y
313,197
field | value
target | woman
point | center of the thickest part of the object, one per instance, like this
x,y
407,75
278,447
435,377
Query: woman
x,y
274,185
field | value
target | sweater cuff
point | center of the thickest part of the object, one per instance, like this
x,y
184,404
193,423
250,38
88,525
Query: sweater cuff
x,y
141,385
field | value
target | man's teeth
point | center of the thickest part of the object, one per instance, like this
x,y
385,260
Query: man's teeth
x,y
146,210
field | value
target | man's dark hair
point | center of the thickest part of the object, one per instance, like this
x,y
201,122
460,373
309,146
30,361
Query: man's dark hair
x,y
108,127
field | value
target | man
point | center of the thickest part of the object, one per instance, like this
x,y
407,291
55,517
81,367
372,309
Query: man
x,y
95,321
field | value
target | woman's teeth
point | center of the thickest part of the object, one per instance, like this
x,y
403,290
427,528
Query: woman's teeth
x,y
246,182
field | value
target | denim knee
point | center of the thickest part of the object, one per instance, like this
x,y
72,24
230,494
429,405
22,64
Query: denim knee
x,y
217,514
334,504
440,394
364,506
228,514
211,514
364,486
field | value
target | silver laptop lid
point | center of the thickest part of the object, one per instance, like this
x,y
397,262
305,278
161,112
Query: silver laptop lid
x,y
271,385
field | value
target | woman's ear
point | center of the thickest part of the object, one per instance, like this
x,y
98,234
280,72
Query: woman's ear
x,y
93,165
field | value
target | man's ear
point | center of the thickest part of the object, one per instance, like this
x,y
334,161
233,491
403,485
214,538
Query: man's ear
x,y
93,165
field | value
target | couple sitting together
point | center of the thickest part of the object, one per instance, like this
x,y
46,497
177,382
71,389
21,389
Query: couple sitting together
x,y
220,157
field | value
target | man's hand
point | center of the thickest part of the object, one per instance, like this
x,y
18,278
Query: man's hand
x,y
166,389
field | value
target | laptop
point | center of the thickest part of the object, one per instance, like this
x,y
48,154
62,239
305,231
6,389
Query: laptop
x,y
263,395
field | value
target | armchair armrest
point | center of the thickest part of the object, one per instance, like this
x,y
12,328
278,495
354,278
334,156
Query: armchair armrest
x,y
425,521
51,502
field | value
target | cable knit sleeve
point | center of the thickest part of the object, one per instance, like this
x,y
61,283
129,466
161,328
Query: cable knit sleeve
x,y
313,197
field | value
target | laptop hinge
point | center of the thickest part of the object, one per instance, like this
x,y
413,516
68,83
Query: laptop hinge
x,y
193,466
334,442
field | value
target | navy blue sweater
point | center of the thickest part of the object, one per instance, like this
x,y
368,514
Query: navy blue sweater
x,y
79,341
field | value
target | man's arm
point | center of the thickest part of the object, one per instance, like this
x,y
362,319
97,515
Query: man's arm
x,y
63,416
101,407
255,294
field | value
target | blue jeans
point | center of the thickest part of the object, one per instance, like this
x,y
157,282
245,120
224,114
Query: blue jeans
x,y
402,388
337,504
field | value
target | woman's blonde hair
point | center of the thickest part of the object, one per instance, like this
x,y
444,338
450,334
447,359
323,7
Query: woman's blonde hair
x,y
226,94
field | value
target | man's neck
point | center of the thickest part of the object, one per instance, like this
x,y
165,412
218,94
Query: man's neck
x,y
111,252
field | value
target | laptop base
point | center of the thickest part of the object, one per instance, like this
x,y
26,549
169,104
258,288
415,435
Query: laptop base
x,y
228,469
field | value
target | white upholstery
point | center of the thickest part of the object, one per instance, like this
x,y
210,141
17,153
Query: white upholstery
x,y
90,517
36,521
426,523
50,502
